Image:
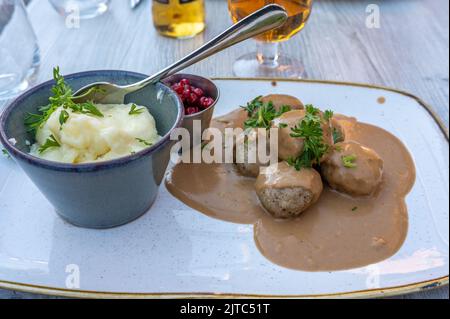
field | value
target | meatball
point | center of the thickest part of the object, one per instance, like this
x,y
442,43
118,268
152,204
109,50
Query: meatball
x,y
292,147
353,169
285,192
279,100
250,140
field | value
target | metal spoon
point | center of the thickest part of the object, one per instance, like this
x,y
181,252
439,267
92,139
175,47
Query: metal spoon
x,y
268,18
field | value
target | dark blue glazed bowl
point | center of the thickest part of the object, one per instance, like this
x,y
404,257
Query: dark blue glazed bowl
x,y
104,194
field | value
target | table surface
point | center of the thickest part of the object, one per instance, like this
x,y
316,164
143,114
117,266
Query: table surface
x,y
410,50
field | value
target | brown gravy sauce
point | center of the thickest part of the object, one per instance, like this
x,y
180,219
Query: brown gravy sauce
x,y
338,232
381,100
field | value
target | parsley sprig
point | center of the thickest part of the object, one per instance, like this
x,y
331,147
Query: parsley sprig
x,y
146,143
328,115
337,135
349,161
311,131
62,97
5,153
261,115
49,143
134,110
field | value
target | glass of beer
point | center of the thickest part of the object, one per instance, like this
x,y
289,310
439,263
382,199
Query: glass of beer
x,y
267,60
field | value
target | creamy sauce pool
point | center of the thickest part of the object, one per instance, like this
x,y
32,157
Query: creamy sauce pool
x,y
338,232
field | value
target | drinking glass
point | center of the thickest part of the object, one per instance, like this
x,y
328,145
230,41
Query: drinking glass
x,y
267,60
85,9
19,51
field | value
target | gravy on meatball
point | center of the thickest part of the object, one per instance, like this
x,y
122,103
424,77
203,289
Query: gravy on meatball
x,y
353,169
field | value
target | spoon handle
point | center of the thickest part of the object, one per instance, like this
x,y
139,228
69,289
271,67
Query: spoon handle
x,y
265,19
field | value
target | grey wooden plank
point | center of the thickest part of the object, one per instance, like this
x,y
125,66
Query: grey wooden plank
x,y
410,50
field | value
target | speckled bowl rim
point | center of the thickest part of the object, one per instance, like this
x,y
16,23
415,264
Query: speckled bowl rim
x,y
85,167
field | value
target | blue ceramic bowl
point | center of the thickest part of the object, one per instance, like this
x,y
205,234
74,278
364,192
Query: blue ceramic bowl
x,y
104,194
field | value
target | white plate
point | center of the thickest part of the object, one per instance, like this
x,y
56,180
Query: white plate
x,y
174,250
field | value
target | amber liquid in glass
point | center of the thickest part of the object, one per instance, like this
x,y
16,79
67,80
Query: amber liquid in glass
x,y
298,11
179,18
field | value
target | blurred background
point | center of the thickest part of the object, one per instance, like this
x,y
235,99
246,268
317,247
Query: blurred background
x,y
408,51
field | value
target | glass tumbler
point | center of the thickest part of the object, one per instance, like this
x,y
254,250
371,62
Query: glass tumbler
x,y
85,9
19,51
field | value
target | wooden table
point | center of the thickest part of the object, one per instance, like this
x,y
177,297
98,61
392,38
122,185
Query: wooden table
x,y
409,51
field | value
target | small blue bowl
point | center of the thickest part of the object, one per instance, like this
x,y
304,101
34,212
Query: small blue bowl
x,y
103,194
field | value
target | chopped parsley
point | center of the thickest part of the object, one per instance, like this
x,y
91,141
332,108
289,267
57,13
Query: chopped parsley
x,y
328,115
135,110
337,135
5,153
354,209
50,142
349,161
62,97
140,140
261,115
63,116
87,108
310,130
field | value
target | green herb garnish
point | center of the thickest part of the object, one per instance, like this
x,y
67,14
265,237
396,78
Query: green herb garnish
x,y
89,108
135,110
50,142
140,140
63,116
34,121
310,130
328,115
5,153
349,161
337,136
261,115
253,106
282,125
354,208
62,97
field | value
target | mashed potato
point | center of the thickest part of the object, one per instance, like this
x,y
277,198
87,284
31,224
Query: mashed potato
x,y
89,138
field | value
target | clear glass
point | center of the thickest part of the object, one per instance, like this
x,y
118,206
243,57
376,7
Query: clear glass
x,y
84,9
267,61
19,51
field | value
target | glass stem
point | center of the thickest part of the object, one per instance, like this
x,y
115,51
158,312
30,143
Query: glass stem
x,y
268,53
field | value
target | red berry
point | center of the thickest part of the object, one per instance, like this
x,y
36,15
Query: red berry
x,y
185,96
185,82
206,102
199,92
191,110
193,98
178,88
202,101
